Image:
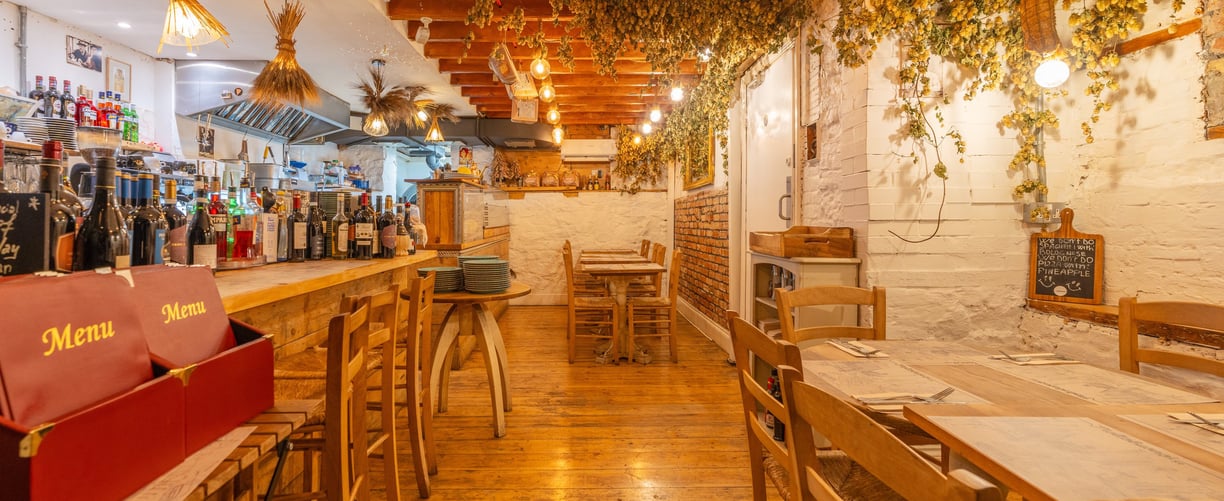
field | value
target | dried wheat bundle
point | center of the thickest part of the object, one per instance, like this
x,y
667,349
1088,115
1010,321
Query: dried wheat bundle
x,y
443,111
391,103
189,24
283,79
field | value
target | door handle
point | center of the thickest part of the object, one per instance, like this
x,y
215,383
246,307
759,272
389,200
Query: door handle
x,y
782,206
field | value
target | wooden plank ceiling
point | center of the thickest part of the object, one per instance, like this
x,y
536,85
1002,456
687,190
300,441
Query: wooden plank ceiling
x,y
584,97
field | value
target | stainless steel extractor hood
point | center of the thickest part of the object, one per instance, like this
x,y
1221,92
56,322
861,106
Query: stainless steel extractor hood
x,y
219,91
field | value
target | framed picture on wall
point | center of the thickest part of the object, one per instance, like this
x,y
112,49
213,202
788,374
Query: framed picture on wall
x,y
699,163
119,77
83,53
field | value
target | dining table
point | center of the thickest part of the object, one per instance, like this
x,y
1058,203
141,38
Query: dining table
x,y
1042,424
619,274
489,339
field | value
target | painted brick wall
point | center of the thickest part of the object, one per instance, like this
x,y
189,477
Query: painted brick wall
x,y
700,232
1213,45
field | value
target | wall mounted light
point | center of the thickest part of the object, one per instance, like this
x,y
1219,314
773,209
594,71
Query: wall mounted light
x,y
677,94
189,24
1052,72
553,116
656,114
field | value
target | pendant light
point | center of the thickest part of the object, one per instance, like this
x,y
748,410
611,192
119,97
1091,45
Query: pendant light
x,y
540,69
656,114
190,25
375,125
647,128
547,92
677,94
553,116
435,133
558,134
1052,72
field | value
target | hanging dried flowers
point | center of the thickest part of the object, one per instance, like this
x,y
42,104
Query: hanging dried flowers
x,y
390,103
283,79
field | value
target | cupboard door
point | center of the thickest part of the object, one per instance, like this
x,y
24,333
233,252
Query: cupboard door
x,y
438,208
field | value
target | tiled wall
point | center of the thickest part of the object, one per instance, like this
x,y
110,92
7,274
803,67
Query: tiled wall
x,y
701,234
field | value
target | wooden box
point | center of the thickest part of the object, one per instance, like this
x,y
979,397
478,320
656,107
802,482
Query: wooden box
x,y
225,365
805,241
81,414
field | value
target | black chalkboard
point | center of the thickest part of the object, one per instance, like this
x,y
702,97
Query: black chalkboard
x,y
1066,265
24,225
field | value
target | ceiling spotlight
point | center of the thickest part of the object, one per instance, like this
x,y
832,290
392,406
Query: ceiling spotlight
x,y
547,92
656,114
125,25
553,116
1052,73
192,54
647,128
677,94
540,68
422,34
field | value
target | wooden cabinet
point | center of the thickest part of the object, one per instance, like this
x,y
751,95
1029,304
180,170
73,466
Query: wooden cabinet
x,y
770,272
460,212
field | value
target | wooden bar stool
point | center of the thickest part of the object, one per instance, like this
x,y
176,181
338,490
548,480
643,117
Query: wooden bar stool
x,y
413,395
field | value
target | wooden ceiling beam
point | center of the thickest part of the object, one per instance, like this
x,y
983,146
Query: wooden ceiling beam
x,y
455,50
582,118
456,31
581,66
451,10
485,84
604,92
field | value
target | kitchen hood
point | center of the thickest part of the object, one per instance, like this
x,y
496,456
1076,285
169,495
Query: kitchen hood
x,y
472,131
219,91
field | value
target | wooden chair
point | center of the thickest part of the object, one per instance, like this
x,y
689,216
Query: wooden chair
x,y
650,286
343,430
870,446
768,458
656,316
645,248
788,301
586,285
589,317
1199,315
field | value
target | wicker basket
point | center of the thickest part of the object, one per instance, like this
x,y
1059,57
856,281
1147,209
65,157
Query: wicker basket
x,y
1040,30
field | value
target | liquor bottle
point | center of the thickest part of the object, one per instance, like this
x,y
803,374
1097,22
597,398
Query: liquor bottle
x,y
403,242
63,219
148,225
103,239
234,237
112,113
282,228
220,218
299,225
408,225
266,205
87,113
51,100
176,226
201,239
38,94
363,229
254,216
387,230
340,230
100,108
314,230
116,114
67,103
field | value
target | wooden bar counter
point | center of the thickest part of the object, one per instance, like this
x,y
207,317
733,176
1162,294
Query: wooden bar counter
x,y
293,300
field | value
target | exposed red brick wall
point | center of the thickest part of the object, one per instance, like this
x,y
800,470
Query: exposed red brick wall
x,y
1213,78
701,234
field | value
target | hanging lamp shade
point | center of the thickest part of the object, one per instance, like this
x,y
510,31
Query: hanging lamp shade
x,y
553,116
435,133
375,125
547,92
540,68
1037,21
189,24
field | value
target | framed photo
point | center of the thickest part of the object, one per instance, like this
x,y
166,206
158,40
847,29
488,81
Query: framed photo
x,y
205,139
699,163
119,77
83,53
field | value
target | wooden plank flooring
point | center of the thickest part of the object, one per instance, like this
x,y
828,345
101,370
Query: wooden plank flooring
x,y
587,431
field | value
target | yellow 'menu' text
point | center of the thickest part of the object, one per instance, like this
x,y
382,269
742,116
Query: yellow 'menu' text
x,y
69,338
176,311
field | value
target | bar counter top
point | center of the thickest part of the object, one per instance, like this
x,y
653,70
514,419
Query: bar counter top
x,y
254,287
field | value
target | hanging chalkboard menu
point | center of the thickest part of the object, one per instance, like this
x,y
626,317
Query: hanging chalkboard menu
x,y
24,223
1066,265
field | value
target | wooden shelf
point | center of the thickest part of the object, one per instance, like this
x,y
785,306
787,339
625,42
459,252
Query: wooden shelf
x,y
517,193
767,302
9,144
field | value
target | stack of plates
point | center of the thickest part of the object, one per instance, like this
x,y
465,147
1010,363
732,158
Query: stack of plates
x,y
34,128
486,276
465,259
447,278
62,130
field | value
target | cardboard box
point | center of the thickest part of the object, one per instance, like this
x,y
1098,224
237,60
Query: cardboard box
x,y
225,365
83,416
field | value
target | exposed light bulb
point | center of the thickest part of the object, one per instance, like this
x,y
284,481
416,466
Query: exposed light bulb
x,y
435,133
548,93
558,134
637,139
374,125
656,115
553,116
677,94
423,115
422,34
705,54
540,68
647,128
1052,73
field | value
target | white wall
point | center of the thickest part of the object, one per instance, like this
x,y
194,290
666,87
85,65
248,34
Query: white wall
x,y
541,222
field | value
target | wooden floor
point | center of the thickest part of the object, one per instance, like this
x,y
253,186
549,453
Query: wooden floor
x,y
588,431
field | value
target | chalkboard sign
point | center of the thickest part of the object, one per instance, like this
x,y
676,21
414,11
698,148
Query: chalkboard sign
x,y
24,224
1066,265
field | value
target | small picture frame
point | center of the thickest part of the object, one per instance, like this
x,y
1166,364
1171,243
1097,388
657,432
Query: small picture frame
x,y
119,77
699,164
83,53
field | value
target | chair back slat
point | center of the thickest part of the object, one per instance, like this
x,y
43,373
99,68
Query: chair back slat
x,y
1132,315
868,443
345,403
832,295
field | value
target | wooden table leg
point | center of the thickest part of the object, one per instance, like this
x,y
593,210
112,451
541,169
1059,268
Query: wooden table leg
x,y
620,290
488,324
493,368
445,349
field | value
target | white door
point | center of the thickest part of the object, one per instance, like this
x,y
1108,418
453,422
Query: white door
x,y
768,164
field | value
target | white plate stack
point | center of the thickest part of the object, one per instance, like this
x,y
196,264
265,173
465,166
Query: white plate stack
x,y
62,130
447,278
34,128
486,276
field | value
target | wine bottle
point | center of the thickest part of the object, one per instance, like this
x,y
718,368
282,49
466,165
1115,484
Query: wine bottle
x,y
103,239
148,226
298,225
403,241
51,100
176,226
314,230
363,228
37,95
408,226
375,209
218,215
282,228
68,103
201,238
340,230
387,230
63,218
265,232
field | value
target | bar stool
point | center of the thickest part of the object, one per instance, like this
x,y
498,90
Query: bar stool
x,y
414,357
